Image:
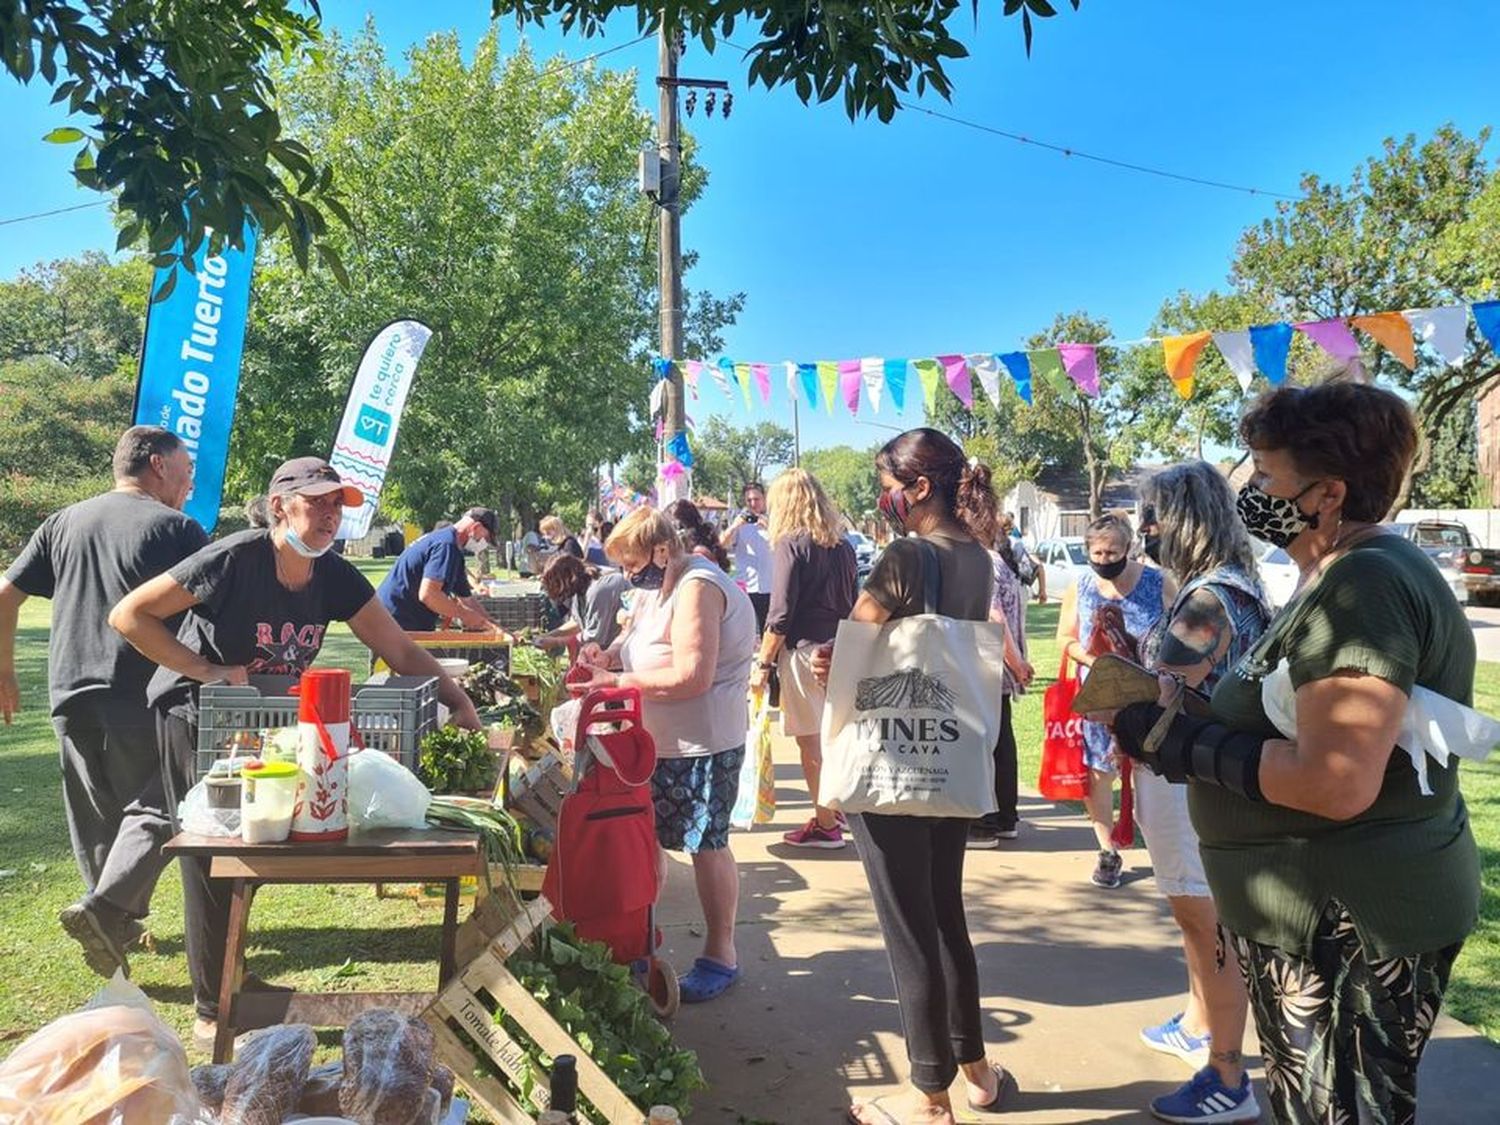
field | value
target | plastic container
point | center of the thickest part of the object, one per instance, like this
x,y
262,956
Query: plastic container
x,y
322,811
453,665
268,794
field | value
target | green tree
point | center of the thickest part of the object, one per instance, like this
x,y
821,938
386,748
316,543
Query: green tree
x,y
1451,478
181,114
848,476
496,201
87,313
869,52
728,457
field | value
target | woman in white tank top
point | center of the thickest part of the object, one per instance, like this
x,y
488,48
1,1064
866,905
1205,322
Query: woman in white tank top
x,y
688,649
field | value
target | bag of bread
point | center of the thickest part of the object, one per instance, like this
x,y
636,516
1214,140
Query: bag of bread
x,y
113,1063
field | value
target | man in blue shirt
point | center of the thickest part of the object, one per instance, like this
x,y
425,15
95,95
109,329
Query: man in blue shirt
x,y
429,584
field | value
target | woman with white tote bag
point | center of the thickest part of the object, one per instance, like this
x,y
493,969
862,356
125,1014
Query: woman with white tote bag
x,y
913,858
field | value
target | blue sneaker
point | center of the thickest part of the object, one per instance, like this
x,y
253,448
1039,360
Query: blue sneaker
x,y
1205,1098
1171,1039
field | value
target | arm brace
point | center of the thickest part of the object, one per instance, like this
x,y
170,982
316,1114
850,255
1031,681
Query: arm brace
x,y
1200,749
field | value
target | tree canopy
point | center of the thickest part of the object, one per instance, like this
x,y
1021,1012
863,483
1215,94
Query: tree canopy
x,y
871,53
495,200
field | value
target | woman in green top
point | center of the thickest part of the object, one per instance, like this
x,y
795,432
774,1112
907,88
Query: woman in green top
x,y
1346,892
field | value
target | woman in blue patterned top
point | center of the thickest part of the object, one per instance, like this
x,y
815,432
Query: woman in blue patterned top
x,y
1141,593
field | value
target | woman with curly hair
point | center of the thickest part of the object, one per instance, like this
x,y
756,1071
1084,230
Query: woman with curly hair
x,y
697,536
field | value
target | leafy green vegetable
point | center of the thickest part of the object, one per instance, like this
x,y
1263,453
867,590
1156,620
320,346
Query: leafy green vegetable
x,y
545,668
456,761
598,1004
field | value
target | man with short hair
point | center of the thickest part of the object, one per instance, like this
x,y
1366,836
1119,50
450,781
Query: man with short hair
x,y
747,539
429,584
85,558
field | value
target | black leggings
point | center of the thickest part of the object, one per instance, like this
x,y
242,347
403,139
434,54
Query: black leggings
x,y
1007,774
915,866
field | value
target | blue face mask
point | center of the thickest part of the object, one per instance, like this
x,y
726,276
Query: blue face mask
x,y
649,577
296,543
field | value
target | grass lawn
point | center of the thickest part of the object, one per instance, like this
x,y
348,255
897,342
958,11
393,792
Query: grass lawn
x,y
303,935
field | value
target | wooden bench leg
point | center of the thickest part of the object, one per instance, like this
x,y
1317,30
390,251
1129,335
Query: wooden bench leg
x,y
448,961
232,973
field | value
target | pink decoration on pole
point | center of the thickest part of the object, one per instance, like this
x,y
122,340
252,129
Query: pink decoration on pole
x,y
671,470
849,379
762,373
661,428
1333,336
956,371
1081,362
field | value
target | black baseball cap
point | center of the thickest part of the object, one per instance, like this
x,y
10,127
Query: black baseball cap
x,y
486,518
312,476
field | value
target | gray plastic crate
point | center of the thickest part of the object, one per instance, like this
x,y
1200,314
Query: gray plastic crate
x,y
516,611
394,716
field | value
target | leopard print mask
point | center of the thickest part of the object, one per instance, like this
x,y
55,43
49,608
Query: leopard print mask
x,y
1274,519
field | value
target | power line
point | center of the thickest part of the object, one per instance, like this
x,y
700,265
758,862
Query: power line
x,y
568,65
58,211
1066,150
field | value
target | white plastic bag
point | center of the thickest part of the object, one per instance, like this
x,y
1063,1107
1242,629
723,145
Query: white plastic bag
x,y
113,1063
564,723
196,817
1434,727
385,794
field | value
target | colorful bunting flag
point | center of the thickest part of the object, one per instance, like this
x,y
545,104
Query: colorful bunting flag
x,y
895,381
791,380
742,378
671,470
956,371
762,373
1392,331
1444,329
986,368
808,373
1487,316
828,375
691,369
929,371
1181,354
1238,354
679,448
658,397
1271,343
1333,336
723,373
662,367
849,383
1020,373
1081,361
1047,365
872,370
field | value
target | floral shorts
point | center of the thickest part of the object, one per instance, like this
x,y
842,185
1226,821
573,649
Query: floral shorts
x,y
694,797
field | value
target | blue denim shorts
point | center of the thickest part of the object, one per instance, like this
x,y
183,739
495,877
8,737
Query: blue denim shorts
x,y
694,797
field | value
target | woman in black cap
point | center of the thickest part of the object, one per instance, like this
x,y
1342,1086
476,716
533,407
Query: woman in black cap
x,y
254,603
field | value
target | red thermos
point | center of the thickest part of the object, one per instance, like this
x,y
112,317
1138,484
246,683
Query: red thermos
x,y
322,811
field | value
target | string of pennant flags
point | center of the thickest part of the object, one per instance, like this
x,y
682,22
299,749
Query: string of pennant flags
x,y
1261,348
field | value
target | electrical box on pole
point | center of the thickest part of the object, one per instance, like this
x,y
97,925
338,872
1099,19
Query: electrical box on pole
x,y
650,172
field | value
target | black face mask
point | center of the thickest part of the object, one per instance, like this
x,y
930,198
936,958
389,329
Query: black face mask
x,y
649,577
1110,570
1152,547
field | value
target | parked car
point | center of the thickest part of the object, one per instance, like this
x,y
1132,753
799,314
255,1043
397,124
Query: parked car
x,y
1472,571
1063,560
1278,573
864,553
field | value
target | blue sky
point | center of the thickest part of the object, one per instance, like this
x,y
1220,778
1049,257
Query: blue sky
x,y
923,237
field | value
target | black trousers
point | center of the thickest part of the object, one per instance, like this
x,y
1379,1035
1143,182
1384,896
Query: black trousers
x,y
205,900
915,866
1007,774
761,603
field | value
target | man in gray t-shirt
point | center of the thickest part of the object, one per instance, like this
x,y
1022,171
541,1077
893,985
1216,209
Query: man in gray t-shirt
x,y
85,558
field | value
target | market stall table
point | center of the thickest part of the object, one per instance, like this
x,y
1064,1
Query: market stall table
x,y
383,856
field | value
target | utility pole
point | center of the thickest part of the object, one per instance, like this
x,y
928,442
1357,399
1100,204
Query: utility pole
x,y
669,142
796,436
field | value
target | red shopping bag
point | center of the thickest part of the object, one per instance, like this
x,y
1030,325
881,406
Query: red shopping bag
x,y
1064,775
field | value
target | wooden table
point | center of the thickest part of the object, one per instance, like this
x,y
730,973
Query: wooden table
x,y
384,856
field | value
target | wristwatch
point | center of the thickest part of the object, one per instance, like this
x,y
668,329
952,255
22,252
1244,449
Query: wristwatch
x,y
766,666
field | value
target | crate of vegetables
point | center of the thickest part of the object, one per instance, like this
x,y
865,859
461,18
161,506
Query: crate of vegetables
x,y
514,612
260,720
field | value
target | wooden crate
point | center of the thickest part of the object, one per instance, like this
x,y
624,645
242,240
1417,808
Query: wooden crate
x,y
538,794
494,932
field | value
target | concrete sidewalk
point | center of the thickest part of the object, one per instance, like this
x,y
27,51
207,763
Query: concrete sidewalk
x,y
1070,974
